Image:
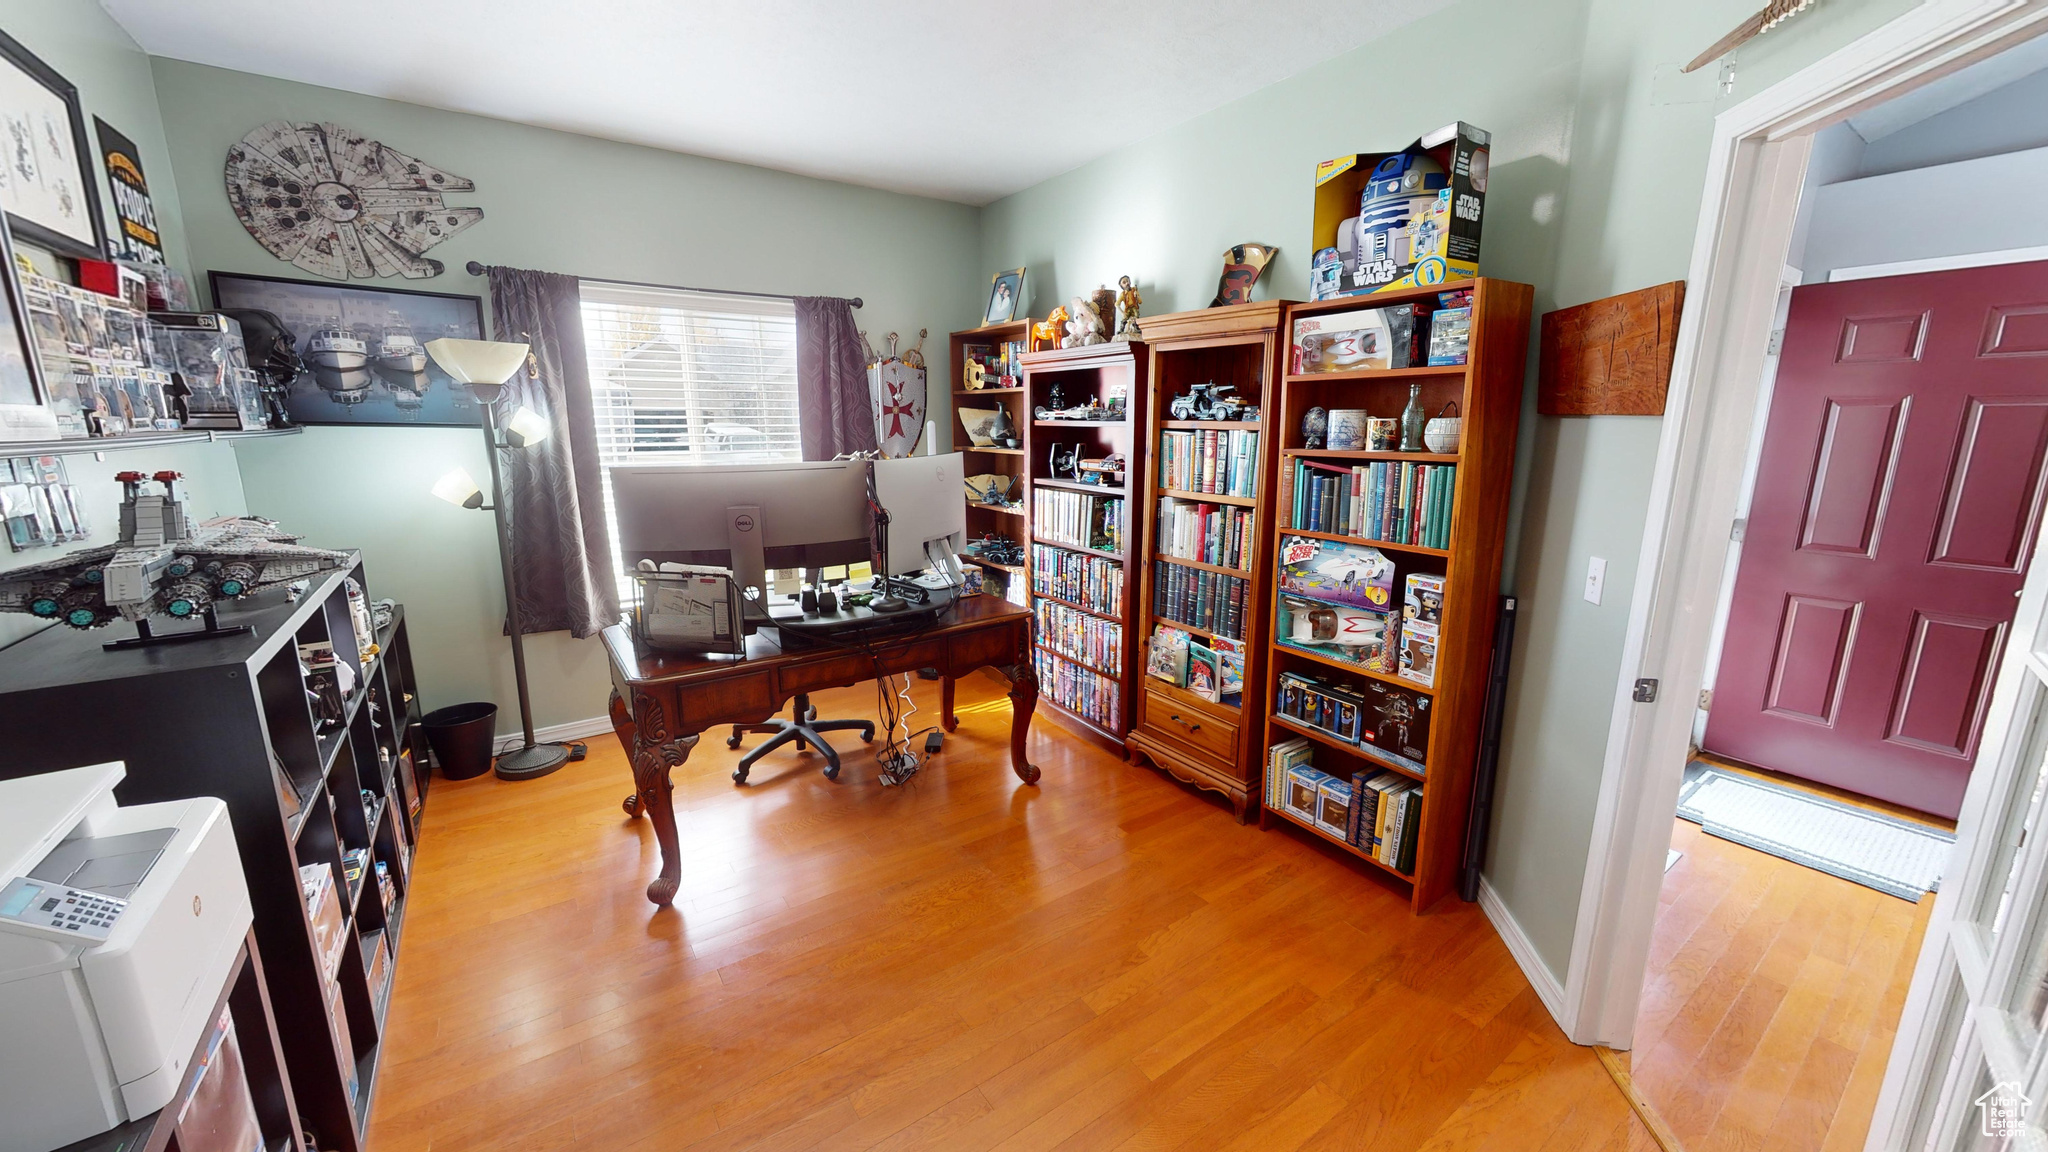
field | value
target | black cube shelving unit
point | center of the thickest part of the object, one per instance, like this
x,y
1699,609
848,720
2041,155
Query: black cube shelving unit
x,y
205,718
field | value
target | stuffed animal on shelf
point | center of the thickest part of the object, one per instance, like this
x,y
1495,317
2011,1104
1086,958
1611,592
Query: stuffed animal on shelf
x,y
1084,325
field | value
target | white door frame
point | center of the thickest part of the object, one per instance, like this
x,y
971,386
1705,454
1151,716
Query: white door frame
x,y
1754,171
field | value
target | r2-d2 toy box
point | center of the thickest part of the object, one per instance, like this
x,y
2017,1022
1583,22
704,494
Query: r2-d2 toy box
x,y
1406,219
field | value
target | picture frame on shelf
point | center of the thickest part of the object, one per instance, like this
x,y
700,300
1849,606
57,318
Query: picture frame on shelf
x,y
25,411
53,200
362,349
1005,296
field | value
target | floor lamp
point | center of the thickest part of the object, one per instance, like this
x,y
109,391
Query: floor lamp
x,y
485,366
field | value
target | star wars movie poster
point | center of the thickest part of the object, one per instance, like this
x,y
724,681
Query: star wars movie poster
x,y
135,236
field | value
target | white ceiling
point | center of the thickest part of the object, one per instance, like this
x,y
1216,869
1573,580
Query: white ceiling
x,y
961,99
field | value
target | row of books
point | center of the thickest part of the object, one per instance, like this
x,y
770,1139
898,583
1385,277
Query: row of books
x,y
1210,460
1084,519
1388,500
1219,534
1087,694
1377,812
1000,364
1076,635
1208,601
1078,578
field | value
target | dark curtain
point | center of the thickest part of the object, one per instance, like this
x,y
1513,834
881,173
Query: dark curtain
x,y
835,413
561,555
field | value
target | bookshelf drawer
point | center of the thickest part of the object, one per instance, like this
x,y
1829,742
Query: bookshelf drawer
x,y
1171,719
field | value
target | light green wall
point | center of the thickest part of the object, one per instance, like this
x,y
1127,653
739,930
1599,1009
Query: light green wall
x,y
114,82
563,203
1599,156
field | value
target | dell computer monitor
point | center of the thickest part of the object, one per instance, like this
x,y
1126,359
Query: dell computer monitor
x,y
747,517
927,513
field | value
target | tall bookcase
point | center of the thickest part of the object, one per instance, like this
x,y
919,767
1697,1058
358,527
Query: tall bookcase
x,y
211,718
1209,527
1488,388
1084,595
983,519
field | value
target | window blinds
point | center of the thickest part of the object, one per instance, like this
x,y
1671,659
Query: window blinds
x,y
679,377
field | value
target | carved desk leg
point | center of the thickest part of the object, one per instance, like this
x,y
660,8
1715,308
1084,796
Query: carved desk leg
x,y
1023,700
654,753
946,717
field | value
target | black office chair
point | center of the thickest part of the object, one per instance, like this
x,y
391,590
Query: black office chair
x,y
803,730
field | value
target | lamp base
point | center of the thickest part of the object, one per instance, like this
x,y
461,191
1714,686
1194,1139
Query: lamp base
x,y
531,763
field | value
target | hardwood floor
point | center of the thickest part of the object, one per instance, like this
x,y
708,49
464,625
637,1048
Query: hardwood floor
x,y
1772,997
1104,962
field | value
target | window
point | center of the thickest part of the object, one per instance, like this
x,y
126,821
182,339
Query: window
x,y
688,378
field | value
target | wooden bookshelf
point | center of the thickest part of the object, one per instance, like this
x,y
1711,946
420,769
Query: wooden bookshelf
x,y
982,519
1210,745
1488,389
1096,372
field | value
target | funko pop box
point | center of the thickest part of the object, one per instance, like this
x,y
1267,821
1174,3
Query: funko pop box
x,y
1405,219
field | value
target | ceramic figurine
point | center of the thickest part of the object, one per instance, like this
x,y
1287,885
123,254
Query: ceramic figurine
x,y
1004,430
1127,304
1315,424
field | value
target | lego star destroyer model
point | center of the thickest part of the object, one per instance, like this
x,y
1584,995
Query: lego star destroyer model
x,y
163,566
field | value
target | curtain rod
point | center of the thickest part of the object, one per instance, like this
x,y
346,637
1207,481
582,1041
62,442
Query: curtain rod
x,y
476,269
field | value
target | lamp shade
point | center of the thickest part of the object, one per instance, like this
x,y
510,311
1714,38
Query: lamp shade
x,y
527,428
477,361
459,489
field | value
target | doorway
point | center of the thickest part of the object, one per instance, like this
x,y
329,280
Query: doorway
x,y
1759,161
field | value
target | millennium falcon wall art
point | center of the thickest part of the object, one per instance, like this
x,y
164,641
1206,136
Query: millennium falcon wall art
x,y
340,205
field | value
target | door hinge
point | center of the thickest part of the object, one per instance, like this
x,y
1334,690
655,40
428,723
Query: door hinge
x,y
1777,344
1738,528
1706,699
1646,691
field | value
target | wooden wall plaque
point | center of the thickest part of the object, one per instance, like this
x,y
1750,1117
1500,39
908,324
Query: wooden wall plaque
x,y
1610,357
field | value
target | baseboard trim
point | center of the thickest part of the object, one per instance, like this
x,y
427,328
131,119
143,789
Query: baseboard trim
x,y
1524,951
557,733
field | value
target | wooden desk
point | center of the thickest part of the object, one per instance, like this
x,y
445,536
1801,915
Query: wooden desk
x,y
661,702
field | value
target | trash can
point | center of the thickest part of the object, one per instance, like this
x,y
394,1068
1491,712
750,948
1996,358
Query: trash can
x,y
461,736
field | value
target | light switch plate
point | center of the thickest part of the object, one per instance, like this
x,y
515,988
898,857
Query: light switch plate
x,y
1596,579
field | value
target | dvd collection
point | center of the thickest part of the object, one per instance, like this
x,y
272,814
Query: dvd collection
x,y
1377,812
1391,501
1210,460
1218,534
1082,519
1086,639
1206,601
1386,722
1093,582
1086,694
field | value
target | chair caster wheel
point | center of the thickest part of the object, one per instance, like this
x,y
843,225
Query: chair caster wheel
x,y
832,773
739,777
732,742
867,735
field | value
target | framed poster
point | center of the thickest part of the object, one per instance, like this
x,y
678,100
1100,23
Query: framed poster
x,y
363,350
135,235
25,412
46,180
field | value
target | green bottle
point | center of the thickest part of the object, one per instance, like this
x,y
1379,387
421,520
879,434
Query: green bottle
x,y
1412,420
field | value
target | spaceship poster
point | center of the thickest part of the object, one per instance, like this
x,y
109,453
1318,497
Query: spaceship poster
x,y
341,205
363,350
46,179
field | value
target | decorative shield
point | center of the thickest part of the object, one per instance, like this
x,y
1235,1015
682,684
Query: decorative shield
x,y
896,385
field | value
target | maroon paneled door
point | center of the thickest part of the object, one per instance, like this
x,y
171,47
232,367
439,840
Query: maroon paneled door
x,y
1895,509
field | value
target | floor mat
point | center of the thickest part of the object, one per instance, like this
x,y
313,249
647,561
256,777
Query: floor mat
x,y
1894,856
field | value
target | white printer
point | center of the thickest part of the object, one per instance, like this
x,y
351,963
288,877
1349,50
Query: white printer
x,y
118,928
